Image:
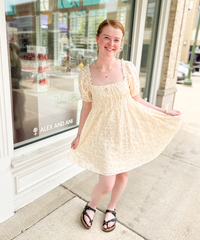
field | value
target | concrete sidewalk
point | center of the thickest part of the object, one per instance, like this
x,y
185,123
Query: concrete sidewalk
x,y
161,201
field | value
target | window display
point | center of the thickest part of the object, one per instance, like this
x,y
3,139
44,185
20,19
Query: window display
x,y
49,43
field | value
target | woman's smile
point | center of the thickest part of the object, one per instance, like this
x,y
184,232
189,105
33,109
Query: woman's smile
x,y
109,49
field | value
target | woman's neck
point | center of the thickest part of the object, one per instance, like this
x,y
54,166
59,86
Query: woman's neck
x,y
105,63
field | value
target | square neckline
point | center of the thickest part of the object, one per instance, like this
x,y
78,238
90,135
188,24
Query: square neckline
x,y
110,84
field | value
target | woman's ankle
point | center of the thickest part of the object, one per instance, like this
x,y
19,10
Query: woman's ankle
x,y
92,205
111,207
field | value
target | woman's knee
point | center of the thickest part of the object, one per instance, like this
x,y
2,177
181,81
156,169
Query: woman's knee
x,y
107,183
123,177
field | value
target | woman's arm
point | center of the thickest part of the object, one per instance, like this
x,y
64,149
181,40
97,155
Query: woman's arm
x,y
86,108
147,104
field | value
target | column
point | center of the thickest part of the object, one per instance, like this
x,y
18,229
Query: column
x,y
172,52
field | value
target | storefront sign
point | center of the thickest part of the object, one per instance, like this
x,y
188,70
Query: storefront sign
x,y
56,125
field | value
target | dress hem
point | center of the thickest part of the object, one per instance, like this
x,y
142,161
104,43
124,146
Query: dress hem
x,y
130,168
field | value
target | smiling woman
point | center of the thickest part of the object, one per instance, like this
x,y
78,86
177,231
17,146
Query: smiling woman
x,y
118,130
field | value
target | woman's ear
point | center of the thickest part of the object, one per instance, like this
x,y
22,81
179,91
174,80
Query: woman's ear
x,y
97,39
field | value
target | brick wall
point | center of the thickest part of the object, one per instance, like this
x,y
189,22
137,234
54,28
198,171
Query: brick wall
x,y
174,43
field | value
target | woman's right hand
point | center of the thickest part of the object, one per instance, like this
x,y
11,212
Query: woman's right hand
x,y
75,143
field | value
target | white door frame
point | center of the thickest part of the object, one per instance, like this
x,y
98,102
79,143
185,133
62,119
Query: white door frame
x,y
160,47
6,135
138,32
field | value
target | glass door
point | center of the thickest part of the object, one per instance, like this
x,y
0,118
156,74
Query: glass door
x,y
149,45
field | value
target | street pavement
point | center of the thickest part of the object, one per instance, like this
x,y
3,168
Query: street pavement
x,y
161,201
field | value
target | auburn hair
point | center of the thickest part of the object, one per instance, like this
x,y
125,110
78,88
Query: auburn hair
x,y
110,22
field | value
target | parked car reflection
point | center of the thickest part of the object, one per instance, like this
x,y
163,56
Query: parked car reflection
x,y
183,70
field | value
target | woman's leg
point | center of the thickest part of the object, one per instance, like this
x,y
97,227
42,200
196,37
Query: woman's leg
x,y
104,186
119,187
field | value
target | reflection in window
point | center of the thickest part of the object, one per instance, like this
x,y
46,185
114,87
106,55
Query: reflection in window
x,y
50,42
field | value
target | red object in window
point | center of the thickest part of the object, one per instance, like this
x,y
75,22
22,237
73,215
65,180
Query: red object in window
x,y
40,56
40,70
46,69
46,57
26,56
32,56
43,81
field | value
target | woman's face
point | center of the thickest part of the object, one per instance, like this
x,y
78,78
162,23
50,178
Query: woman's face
x,y
109,41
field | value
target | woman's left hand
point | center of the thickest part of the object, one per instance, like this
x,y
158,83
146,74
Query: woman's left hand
x,y
173,112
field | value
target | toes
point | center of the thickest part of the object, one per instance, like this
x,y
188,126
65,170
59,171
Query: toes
x,y
87,221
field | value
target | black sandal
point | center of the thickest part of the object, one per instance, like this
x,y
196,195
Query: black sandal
x,y
84,213
109,229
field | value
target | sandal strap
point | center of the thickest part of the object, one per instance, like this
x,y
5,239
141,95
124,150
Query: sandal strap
x,y
110,211
111,220
89,208
85,213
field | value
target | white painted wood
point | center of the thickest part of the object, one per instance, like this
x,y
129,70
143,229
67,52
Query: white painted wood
x,y
38,174
160,47
138,32
42,167
45,186
42,173
6,144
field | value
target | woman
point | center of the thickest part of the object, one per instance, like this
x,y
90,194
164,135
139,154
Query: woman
x,y
118,130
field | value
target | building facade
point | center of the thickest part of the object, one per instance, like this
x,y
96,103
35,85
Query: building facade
x,y
190,31
43,46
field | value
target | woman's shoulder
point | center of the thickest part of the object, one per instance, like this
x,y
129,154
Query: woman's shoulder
x,y
129,66
85,68
128,63
84,72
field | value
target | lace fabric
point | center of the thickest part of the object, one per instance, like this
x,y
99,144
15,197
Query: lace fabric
x,y
129,72
119,133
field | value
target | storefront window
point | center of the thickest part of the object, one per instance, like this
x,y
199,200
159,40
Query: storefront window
x,y
49,43
149,44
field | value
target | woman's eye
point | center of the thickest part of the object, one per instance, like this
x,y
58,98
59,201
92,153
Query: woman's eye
x,y
116,40
107,37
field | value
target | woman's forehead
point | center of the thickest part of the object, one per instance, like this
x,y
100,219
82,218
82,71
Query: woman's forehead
x,y
111,31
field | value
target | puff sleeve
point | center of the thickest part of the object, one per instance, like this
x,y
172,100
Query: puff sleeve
x,y
84,85
133,80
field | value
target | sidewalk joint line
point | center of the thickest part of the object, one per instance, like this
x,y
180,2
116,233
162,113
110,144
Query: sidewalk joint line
x,y
24,230
179,160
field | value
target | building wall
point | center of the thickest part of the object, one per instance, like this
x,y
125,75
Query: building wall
x,y
172,52
189,29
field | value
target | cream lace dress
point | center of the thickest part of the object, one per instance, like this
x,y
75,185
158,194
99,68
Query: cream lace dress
x,y
119,133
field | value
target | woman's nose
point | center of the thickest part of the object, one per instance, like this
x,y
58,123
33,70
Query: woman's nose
x,y
111,42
